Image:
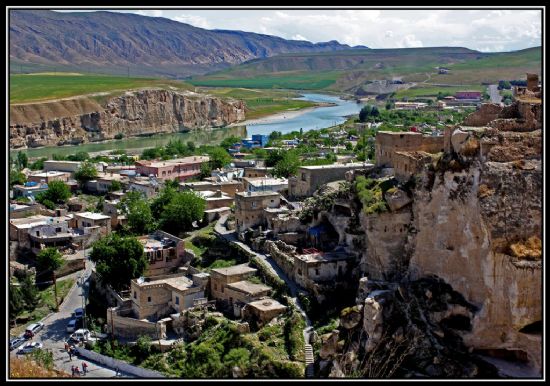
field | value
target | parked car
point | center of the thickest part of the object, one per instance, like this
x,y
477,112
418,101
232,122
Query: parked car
x,y
71,326
32,329
80,335
78,313
30,347
16,342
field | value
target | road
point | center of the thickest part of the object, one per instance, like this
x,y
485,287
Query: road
x,y
54,335
494,93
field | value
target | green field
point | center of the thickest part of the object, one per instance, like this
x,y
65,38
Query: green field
x,y
344,70
432,91
45,86
261,102
293,81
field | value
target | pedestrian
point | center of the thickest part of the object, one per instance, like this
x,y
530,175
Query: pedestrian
x,y
72,370
84,367
70,355
77,371
116,372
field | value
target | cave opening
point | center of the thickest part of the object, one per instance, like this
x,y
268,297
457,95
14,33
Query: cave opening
x,y
534,328
509,355
457,322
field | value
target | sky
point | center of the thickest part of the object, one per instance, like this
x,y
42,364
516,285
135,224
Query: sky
x,y
483,30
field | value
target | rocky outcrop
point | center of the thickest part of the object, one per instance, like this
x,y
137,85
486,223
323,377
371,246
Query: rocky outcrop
x,y
475,224
135,113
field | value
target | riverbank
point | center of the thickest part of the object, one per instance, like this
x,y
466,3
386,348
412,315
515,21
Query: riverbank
x,y
288,114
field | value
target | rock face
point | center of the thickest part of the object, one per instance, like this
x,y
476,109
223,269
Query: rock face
x,y
135,113
475,225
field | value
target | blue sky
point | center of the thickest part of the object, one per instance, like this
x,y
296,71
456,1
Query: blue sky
x,y
483,30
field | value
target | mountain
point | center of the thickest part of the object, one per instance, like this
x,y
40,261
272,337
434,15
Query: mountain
x,y
110,41
347,70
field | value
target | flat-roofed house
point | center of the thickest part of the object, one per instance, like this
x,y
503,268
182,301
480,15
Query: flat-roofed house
x,y
250,206
181,168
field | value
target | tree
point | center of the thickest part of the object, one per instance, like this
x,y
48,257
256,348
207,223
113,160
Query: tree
x,y
50,259
29,292
22,160
38,164
58,192
287,166
229,141
115,186
80,156
219,158
119,260
140,219
365,113
17,177
85,173
183,209
16,302
162,200
191,146
175,184
274,157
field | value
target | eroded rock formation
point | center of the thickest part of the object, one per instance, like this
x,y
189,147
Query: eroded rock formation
x,y
134,113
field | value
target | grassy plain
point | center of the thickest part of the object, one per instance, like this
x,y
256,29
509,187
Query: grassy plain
x,y
41,87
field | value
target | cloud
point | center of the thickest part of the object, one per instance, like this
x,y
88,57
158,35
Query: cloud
x,y
194,20
150,12
484,30
298,37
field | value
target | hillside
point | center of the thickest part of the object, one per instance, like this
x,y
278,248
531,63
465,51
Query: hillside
x,y
347,70
88,41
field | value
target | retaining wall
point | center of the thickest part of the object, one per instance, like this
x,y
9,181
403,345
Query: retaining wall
x,y
121,365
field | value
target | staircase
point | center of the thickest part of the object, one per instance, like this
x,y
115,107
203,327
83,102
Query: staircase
x,y
309,361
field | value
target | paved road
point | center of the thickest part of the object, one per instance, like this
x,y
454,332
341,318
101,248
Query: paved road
x,y
54,335
494,93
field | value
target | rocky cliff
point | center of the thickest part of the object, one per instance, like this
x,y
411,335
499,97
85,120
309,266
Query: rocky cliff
x,y
472,220
134,113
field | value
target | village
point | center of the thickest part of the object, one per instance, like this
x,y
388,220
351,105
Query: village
x,y
271,243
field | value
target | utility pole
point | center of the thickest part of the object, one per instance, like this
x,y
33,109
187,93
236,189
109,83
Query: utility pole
x,y
112,325
83,302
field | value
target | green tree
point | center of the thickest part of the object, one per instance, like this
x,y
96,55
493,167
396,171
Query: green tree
x,y
17,177
80,156
50,259
38,164
219,157
85,173
16,302
29,292
191,146
115,186
22,160
365,113
287,166
58,192
162,200
119,260
140,218
229,141
274,157
183,209
239,357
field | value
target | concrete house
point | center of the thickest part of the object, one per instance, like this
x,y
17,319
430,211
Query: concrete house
x,y
164,251
310,178
265,184
181,168
88,220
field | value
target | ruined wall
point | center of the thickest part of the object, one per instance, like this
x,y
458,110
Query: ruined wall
x,y
387,143
135,113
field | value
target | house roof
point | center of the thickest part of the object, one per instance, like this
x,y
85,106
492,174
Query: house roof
x,y
248,287
234,270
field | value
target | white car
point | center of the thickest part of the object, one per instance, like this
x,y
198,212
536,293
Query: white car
x,y
16,342
81,334
28,348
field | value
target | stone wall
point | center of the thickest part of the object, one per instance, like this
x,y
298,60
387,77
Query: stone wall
x,y
124,325
387,143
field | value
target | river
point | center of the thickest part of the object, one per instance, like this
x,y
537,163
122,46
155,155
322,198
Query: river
x,y
308,119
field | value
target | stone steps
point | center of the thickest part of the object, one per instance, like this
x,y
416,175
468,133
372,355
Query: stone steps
x,y
309,361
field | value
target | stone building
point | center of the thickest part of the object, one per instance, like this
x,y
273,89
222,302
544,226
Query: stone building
x,y
408,163
48,177
253,172
265,184
62,166
249,208
86,220
262,311
156,297
164,251
227,187
215,199
389,142
221,277
309,178
181,168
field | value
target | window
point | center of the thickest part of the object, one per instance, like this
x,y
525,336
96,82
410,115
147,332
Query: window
x,y
317,271
222,288
254,204
215,286
58,229
177,300
135,295
149,299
